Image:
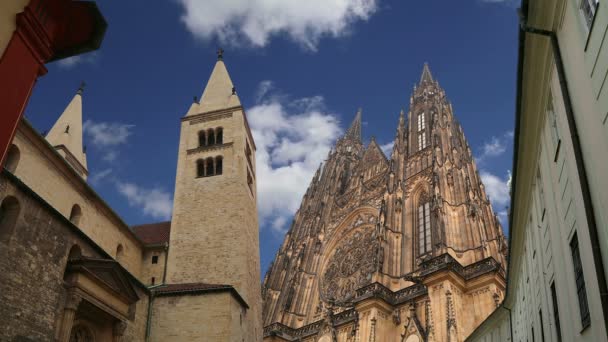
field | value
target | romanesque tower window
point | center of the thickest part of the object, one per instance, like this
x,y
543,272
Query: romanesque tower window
x,y
202,139
200,168
424,225
75,214
219,136
210,137
9,212
12,159
209,171
218,165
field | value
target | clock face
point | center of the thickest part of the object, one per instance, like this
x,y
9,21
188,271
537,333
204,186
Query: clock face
x,y
351,265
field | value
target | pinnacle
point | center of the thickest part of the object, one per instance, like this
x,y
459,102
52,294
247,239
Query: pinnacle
x,y
354,131
426,74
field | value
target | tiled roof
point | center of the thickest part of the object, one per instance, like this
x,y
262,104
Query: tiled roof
x,y
153,233
196,288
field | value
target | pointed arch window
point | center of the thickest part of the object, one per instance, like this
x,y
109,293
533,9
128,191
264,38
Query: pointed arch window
x,y
218,165
424,225
421,131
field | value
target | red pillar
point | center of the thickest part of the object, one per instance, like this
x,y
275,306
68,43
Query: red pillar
x,y
46,30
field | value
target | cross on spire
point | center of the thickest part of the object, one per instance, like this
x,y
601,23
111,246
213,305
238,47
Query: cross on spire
x,y
81,88
220,54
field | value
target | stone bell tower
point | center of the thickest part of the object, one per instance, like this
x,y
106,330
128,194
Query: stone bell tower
x,y
214,229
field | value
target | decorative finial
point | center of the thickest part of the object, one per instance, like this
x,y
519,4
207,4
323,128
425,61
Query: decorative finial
x,y
220,54
195,99
81,88
233,90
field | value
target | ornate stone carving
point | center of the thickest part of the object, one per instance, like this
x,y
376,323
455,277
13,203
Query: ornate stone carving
x,y
350,266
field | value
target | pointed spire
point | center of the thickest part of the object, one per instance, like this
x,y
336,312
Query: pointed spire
x,y
354,131
426,74
219,93
66,133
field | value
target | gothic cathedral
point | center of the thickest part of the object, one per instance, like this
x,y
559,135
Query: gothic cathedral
x,y
405,248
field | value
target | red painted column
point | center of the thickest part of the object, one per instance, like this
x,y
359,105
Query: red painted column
x,y
20,66
46,30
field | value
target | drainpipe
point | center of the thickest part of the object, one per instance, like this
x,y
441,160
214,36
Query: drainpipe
x,y
580,165
149,318
166,258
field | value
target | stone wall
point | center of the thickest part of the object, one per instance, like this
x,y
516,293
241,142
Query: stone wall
x,y
33,258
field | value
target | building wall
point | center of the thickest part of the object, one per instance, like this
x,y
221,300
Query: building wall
x,y
549,208
214,228
149,269
32,289
8,20
48,174
207,317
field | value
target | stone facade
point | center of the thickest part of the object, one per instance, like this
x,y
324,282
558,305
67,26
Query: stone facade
x,y
383,249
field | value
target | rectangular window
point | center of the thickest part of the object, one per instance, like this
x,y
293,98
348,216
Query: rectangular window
x,y
155,259
581,291
558,328
542,327
552,116
152,281
588,9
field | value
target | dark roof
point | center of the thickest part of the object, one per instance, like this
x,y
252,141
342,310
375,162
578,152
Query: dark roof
x,y
153,233
196,288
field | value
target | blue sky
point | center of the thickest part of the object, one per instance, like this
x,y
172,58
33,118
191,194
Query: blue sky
x,y
299,67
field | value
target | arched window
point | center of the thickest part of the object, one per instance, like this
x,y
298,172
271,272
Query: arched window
x,y
12,159
200,168
209,171
219,135
9,212
119,252
210,137
421,131
424,225
201,139
218,165
75,214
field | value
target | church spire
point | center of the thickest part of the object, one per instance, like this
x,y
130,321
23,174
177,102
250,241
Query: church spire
x,y
219,93
354,131
66,134
426,74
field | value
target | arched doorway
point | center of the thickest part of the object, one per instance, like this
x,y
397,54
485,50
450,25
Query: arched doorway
x,y
81,333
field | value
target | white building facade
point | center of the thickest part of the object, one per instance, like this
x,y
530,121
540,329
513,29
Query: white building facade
x,y
557,288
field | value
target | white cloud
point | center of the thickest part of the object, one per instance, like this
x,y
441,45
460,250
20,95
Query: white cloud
x,y
107,133
254,22
387,148
99,176
155,202
292,139
495,147
88,58
497,188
